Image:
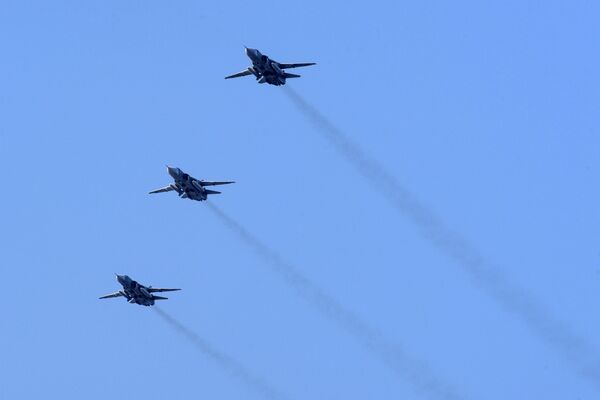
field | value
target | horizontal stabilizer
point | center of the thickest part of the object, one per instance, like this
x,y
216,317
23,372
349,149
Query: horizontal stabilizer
x,y
159,298
211,191
291,75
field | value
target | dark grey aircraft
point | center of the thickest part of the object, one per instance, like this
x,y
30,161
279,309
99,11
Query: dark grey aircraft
x,y
136,293
188,187
267,70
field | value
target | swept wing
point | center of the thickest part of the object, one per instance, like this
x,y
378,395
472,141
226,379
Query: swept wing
x,y
297,65
209,183
115,294
245,72
161,190
156,290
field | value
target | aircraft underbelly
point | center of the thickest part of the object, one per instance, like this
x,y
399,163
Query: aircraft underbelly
x,y
196,195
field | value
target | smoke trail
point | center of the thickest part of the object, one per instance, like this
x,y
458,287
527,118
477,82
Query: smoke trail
x,y
226,362
582,355
419,374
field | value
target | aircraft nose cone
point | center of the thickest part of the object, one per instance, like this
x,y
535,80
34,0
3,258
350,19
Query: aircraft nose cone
x,y
171,170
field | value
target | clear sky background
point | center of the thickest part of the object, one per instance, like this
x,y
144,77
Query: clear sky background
x,y
486,111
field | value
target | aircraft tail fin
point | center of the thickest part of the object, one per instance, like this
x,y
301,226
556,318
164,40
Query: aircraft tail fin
x,y
211,191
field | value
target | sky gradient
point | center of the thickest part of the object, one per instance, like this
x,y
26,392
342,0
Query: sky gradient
x,y
485,113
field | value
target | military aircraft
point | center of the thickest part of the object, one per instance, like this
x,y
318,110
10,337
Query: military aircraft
x,y
188,187
136,293
267,70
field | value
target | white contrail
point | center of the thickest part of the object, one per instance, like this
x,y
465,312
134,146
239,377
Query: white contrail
x,y
416,372
225,361
579,352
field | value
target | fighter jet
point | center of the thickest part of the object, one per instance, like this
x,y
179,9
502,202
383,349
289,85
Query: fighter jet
x,y
267,70
188,187
136,293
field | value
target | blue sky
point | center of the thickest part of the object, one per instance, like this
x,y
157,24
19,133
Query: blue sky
x,y
486,112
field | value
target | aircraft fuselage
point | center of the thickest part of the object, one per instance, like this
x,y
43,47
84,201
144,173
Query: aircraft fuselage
x,y
264,69
186,187
134,292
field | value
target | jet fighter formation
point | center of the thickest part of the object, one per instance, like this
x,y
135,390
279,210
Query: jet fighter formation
x,y
267,70
189,187
136,293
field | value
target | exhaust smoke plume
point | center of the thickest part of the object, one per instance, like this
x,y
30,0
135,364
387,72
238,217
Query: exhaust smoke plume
x,y
580,353
224,361
416,372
